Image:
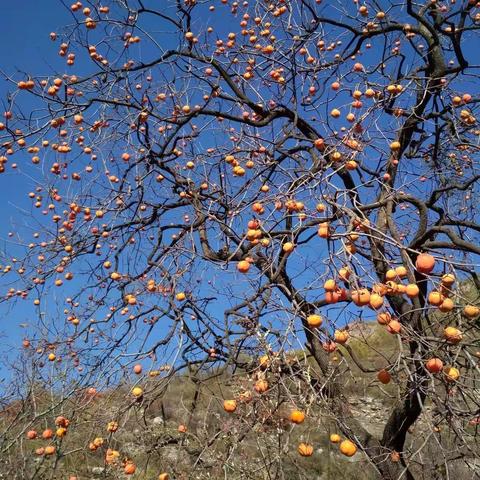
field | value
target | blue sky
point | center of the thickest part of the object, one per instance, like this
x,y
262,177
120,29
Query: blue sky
x,y
26,47
29,49
27,25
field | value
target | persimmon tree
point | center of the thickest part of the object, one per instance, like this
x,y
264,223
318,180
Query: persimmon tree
x,y
220,190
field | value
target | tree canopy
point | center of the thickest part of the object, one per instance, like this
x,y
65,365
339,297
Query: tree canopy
x,y
231,192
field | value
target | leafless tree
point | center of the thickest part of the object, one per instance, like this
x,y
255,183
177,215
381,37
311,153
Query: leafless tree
x,y
229,194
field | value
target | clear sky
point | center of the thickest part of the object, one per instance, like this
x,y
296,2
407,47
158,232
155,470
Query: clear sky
x,y
26,47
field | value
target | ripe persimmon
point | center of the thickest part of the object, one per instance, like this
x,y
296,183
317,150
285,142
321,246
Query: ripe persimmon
x,y
434,365
348,448
229,406
425,263
383,376
341,336
297,416
314,320
452,335
305,449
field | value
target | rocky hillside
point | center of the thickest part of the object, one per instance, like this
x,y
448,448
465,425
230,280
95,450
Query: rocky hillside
x,y
179,427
